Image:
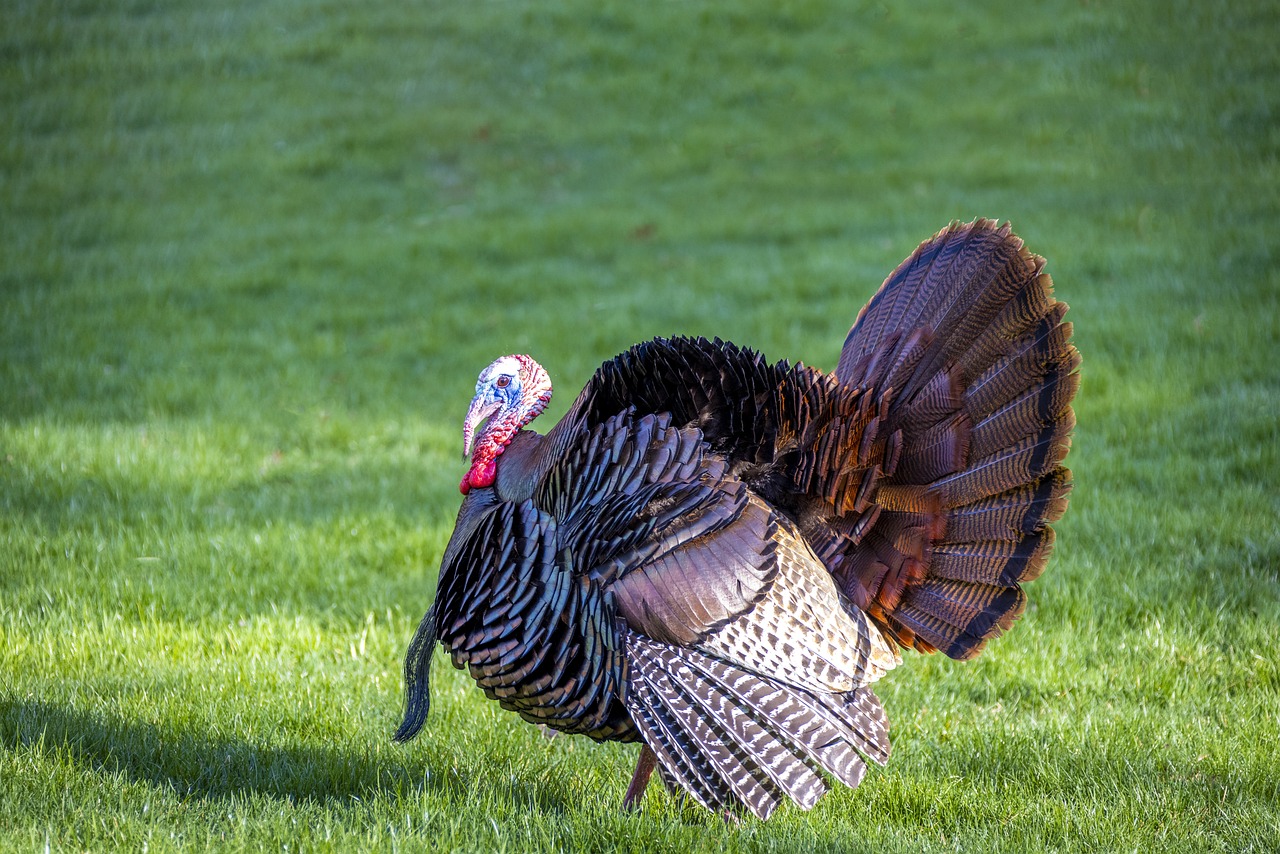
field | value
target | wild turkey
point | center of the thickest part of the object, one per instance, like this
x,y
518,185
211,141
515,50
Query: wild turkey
x,y
716,556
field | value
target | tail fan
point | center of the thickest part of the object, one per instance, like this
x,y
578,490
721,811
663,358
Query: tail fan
x,y
969,345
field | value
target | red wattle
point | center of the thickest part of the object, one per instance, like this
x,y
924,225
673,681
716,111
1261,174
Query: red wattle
x,y
483,471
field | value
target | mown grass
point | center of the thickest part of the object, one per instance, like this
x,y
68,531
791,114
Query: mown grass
x,y
254,255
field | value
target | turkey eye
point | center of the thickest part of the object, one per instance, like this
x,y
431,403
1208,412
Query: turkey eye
x,y
503,381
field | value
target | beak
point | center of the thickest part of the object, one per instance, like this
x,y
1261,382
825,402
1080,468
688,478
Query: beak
x,y
479,410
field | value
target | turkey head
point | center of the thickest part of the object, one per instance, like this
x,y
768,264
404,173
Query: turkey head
x,y
510,393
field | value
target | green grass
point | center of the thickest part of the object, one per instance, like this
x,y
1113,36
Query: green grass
x,y
252,257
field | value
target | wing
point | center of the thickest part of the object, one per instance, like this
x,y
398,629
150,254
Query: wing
x,y
746,667
750,713
650,517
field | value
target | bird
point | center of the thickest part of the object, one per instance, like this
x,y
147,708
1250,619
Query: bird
x,y
717,556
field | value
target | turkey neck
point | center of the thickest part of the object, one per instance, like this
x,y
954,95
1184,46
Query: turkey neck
x,y
522,464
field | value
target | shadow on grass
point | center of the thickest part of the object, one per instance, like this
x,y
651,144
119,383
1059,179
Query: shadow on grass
x,y
208,768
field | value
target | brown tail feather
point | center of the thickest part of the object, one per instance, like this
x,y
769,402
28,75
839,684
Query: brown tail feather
x,y
969,342
1030,356
1001,563
936,451
1030,413
959,618
1011,515
1023,461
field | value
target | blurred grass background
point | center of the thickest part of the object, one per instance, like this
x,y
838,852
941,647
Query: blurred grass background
x,y
252,256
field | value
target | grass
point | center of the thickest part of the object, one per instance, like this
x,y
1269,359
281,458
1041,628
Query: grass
x,y
254,255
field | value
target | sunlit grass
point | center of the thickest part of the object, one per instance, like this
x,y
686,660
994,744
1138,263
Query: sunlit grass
x,y
255,254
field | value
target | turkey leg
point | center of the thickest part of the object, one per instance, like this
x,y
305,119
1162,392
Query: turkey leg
x,y
640,779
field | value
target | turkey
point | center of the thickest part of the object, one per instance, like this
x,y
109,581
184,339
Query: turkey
x,y
716,556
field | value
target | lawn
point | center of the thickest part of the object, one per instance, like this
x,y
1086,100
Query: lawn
x,y
253,255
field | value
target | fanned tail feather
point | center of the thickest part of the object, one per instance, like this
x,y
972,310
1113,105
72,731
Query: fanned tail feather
x,y
968,342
